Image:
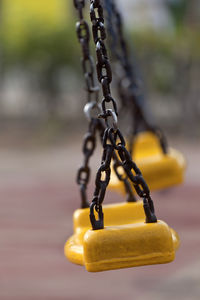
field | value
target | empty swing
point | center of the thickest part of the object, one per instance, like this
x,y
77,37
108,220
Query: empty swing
x,y
120,235
74,246
161,166
114,215
160,170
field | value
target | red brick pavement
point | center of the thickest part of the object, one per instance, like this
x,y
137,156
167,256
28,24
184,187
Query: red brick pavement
x,y
37,200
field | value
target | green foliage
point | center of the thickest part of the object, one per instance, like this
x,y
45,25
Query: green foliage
x,y
161,54
42,47
30,40
58,47
182,41
178,11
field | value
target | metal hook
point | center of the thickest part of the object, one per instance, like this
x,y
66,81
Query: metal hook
x,y
112,114
96,224
89,107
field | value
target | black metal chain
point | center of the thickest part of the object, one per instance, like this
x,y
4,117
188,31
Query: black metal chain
x,y
130,93
113,139
89,142
83,34
95,124
89,145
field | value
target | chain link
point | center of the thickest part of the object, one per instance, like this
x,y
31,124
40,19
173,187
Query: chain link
x,y
89,142
83,174
87,62
130,93
104,72
113,139
136,178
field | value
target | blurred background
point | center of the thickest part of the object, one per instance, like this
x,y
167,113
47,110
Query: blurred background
x,y
42,123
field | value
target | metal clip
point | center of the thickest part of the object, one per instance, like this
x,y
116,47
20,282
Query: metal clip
x,y
89,107
110,113
150,216
96,224
114,117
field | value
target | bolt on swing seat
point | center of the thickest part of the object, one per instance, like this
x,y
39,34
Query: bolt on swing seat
x,y
117,217
160,170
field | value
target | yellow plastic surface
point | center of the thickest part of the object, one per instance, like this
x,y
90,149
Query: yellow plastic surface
x,y
74,248
115,215
158,169
125,246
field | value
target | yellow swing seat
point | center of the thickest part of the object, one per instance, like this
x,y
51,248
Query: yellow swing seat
x,y
158,169
124,246
115,215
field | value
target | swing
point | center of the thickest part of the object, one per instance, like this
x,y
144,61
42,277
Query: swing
x,y
160,170
114,215
132,236
125,246
161,167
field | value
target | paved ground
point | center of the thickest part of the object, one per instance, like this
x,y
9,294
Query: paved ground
x,y
38,196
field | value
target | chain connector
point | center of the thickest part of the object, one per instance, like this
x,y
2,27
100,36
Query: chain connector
x,y
106,115
96,224
89,107
150,215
